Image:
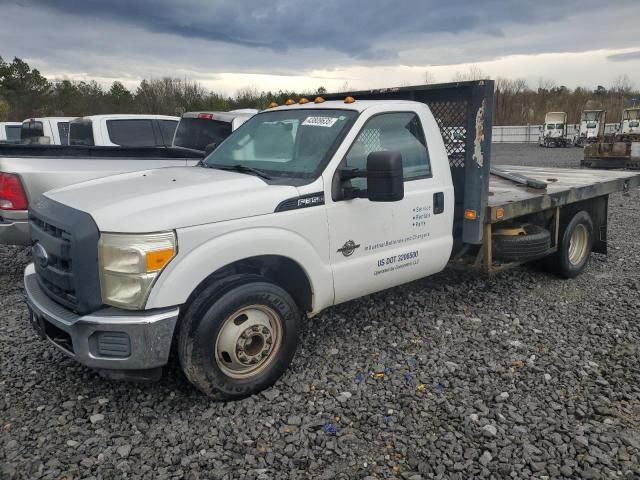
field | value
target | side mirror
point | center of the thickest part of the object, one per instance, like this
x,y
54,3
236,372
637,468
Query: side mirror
x,y
385,182
210,148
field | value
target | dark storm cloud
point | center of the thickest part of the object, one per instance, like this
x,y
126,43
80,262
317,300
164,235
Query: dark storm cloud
x,y
357,28
625,57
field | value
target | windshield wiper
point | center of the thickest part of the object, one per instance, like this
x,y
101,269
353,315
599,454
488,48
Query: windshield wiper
x,y
240,169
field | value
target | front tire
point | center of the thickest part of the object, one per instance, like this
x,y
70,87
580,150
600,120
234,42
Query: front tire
x,y
239,340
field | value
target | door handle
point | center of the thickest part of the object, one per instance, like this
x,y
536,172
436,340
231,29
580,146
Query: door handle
x,y
438,203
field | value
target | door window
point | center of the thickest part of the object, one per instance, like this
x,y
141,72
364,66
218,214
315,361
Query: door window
x,y
63,132
13,133
167,128
400,132
131,133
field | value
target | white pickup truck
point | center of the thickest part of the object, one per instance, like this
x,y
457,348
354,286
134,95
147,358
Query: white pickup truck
x,y
304,206
45,131
118,130
203,131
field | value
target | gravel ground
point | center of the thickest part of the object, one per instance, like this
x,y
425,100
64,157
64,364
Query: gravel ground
x,y
523,375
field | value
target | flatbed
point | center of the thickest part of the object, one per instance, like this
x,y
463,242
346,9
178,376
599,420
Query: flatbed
x,y
508,200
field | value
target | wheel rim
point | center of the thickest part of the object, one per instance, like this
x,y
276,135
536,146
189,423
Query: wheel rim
x,y
578,244
248,341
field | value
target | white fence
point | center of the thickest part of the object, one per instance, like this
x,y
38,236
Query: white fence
x,y
530,133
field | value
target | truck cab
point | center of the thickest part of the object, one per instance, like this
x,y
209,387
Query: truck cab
x,y
591,127
630,123
45,131
553,132
123,130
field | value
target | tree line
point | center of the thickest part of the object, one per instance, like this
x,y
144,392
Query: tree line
x,y
25,93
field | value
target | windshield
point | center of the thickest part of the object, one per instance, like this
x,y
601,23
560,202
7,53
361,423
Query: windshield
x,y
285,142
197,133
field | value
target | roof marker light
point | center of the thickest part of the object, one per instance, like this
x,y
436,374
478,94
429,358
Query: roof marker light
x,y
349,100
289,102
303,100
319,100
273,105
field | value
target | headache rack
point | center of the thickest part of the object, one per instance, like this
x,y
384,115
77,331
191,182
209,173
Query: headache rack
x,y
464,113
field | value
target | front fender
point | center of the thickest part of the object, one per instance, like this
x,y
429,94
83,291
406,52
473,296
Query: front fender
x,y
195,262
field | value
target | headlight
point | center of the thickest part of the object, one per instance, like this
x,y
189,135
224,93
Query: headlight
x,y
130,263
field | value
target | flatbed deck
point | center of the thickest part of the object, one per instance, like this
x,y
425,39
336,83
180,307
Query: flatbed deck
x,y
508,199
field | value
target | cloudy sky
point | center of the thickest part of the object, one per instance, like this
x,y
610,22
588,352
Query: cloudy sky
x,y
299,44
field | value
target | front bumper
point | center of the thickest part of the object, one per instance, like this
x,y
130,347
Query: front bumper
x,y
14,228
108,339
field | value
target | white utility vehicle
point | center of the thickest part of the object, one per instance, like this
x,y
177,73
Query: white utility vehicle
x,y
119,130
303,207
630,123
592,124
554,131
203,131
45,131
10,132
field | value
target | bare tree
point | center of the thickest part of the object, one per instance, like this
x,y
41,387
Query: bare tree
x,y
622,84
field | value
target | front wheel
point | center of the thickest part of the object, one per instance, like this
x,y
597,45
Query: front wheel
x,y
240,342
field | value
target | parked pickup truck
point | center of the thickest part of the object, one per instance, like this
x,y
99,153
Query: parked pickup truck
x,y
10,132
304,206
45,131
123,130
205,130
26,171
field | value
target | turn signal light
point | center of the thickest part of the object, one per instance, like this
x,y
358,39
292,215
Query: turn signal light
x,y
349,100
319,100
303,101
289,102
470,214
158,259
500,213
12,195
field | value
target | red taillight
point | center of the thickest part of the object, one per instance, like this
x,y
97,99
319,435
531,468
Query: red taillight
x,y
208,116
12,196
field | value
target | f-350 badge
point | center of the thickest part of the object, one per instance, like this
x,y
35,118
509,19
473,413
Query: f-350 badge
x,y
348,248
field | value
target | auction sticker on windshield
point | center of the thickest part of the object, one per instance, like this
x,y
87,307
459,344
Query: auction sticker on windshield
x,y
320,121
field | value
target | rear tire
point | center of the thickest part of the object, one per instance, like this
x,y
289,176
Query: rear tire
x,y
238,340
574,249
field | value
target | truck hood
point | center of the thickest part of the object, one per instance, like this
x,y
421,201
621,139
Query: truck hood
x,y
170,198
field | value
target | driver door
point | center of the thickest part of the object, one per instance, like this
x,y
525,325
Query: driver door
x,y
376,245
